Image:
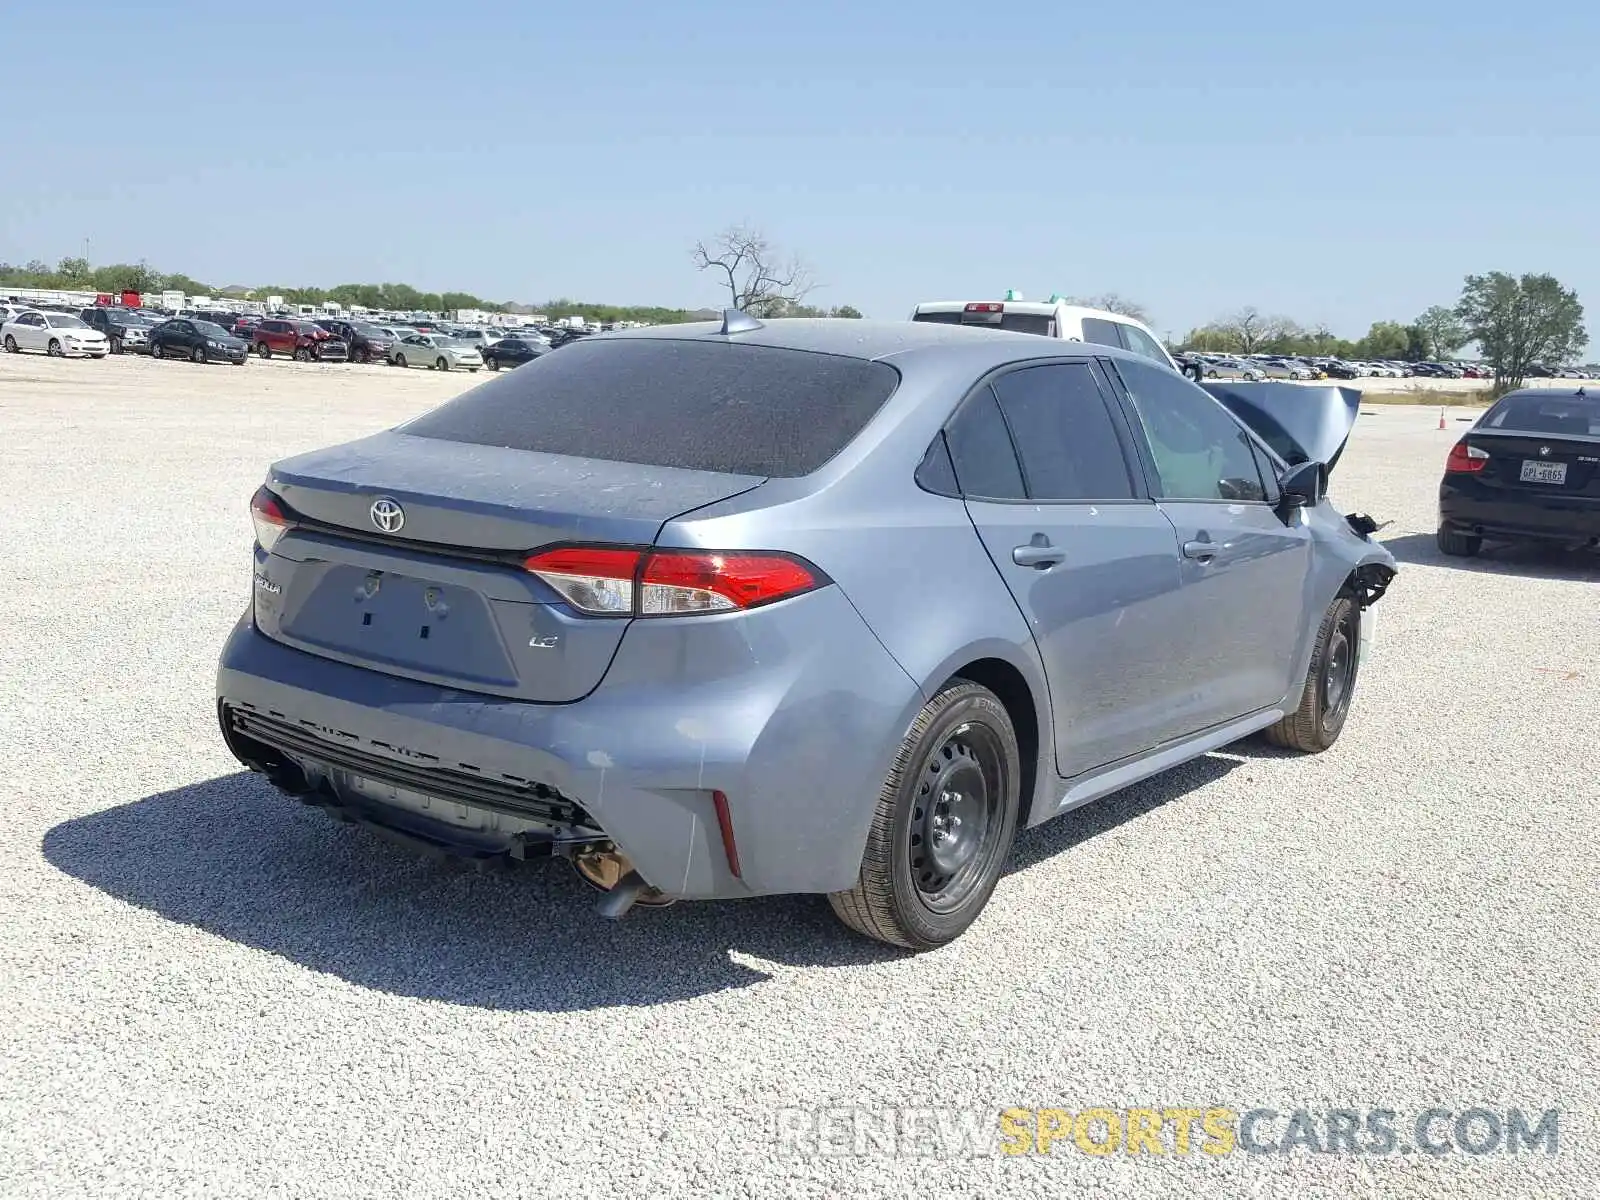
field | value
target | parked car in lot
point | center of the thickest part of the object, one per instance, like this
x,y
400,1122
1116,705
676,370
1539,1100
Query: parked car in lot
x,y
512,352
198,341
125,329
1230,368
643,604
1050,318
58,334
479,339
1527,470
434,351
366,342
304,341
1333,368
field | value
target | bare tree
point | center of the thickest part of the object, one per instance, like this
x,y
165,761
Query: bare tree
x,y
1248,330
1114,302
760,281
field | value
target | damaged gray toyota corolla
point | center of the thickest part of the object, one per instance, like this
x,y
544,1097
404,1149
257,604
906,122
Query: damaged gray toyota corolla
x,y
818,606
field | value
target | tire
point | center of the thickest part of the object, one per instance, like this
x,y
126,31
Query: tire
x,y
442,363
54,349
116,345
960,753
11,345
494,364
198,354
363,356
301,354
1330,683
264,350
399,360
1458,545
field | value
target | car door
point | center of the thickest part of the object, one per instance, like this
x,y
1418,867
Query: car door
x,y
1245,562
1047,468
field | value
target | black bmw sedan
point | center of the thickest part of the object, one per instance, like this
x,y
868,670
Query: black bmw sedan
x,y
1528,470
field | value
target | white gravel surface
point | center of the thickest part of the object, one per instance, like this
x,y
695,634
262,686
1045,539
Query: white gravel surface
x,y
211,991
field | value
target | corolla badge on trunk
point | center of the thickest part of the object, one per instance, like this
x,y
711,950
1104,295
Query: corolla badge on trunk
x,y
387,514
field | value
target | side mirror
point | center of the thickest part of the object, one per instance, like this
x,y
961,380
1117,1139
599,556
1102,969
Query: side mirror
x,y
1303,486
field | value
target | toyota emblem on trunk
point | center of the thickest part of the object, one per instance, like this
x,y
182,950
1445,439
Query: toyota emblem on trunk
x,y
387,515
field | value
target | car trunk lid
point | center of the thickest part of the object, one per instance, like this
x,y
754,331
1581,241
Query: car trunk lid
x,y
1542,463
404,555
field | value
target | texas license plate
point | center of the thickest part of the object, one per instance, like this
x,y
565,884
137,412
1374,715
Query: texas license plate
x,y
1534,471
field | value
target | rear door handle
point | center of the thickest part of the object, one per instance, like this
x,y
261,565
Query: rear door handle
x,y
1038,553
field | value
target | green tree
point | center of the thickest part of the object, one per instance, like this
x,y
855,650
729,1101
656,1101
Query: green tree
x,y
73,270
1442,332
849,311
1520,322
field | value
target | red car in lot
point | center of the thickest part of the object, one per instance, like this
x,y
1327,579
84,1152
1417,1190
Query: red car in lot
x,y
304,341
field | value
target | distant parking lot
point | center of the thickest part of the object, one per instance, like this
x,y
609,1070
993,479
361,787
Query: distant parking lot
x,y
212,991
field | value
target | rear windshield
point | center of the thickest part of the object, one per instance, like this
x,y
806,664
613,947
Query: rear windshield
x,y
1016,322
700,406
1579,415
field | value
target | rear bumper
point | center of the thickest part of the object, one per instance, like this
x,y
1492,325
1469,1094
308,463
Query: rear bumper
x,y
793,712
1465,508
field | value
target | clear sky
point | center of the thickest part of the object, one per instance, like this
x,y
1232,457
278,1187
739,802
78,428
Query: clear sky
x,y
1337,163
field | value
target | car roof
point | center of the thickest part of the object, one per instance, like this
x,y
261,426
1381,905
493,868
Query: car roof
x,y
881,340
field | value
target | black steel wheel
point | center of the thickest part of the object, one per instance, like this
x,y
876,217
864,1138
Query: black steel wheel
x,y
1330,683
944,824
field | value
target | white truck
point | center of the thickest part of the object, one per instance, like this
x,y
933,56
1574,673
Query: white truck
x,y
1051,318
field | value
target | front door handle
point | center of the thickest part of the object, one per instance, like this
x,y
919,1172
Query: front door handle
x,y
1201,550
1038,553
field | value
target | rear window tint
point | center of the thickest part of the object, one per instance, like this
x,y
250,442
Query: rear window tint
x,y
700,406
1037,323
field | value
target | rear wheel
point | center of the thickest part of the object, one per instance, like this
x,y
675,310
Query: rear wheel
x,y
944,824
11,345
1330,683
264,350
1458,545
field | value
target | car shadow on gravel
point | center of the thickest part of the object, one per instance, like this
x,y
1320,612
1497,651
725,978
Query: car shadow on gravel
x,y
232,857
1035,845
1500,558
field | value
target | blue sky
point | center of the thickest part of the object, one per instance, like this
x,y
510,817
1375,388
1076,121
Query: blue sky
x,y
1341,164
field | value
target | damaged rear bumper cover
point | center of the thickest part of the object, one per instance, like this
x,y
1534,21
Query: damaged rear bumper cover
x,y
796,753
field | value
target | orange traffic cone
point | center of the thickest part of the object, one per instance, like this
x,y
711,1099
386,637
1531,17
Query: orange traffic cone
x,y
1441,416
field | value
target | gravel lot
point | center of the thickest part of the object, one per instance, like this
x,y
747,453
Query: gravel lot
x,y
210,991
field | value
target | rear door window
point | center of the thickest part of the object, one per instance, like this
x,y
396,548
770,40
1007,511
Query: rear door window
x,y
1102,333
981,450
700,406
1063,433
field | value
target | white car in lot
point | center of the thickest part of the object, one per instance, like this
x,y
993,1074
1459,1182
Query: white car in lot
x,y
60,335
436,351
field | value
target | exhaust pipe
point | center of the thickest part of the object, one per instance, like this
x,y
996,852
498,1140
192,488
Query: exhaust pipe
x,y
611,871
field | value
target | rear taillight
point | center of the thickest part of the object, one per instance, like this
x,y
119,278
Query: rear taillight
x,y
661,583
1465,459
271,522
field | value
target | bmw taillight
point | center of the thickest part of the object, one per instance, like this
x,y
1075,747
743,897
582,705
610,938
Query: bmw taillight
x,y
1465,459
268,516
604,582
